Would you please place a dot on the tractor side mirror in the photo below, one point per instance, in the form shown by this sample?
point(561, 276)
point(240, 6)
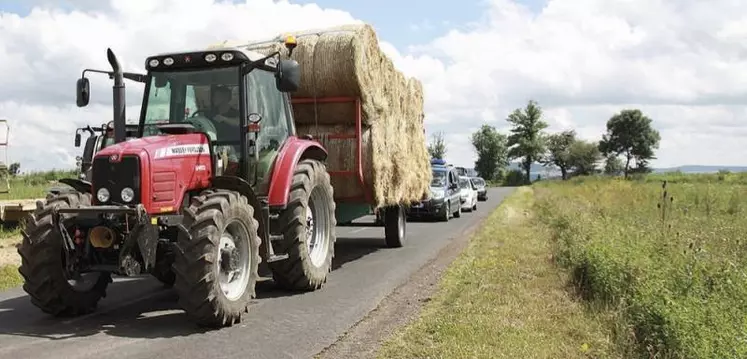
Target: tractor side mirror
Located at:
point(77, 140)
point(82, 92)
point(288, 76)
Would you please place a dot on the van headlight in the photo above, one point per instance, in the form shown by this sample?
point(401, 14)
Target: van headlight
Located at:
point(103, 195)
point(437, 194)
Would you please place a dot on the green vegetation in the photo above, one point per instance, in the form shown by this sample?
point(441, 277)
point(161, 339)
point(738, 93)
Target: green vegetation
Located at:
point(35, 184)
point(666, 261)
point(9, 277)
point(504, 298)
point(437, 147)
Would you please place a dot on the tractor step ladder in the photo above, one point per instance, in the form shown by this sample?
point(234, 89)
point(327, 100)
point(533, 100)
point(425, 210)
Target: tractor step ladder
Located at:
point(4, 165)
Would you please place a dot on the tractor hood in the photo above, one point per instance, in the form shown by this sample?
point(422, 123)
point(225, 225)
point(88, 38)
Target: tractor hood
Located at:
point(160, 147)
point(168, 165)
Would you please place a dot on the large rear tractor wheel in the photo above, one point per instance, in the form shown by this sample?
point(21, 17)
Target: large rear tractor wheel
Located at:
point(308, 227)
point(216, 269)
point(43, 265)
point(395, 223)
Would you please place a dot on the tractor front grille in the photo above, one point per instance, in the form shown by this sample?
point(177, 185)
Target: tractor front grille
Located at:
point(115, 176)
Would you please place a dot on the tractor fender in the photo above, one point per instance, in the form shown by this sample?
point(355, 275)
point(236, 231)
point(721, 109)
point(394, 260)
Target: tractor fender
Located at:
point(240, 185)
point(79, 185)
point(294, 150)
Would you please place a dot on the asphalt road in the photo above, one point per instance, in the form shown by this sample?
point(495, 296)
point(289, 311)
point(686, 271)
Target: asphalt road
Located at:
point(140, 319)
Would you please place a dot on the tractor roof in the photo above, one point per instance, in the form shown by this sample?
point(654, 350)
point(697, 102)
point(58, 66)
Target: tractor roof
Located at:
point(217, 50)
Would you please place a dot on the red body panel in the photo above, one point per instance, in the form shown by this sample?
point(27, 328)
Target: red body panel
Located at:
point(170, 165)
point(285, 163)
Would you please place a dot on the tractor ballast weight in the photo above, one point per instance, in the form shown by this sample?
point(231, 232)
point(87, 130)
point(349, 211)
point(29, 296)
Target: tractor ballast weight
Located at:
point(192, 203)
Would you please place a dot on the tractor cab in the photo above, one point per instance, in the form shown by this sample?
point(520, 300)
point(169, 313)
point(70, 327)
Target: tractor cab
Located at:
point(237, 98)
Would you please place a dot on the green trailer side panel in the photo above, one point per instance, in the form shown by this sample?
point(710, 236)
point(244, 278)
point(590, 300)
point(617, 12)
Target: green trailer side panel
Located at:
point(348, 212)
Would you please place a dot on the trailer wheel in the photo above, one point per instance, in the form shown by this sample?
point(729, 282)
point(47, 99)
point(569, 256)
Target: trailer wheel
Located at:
point(395, 226)
point(308, 227)
point(46, 280)
point(216, 269)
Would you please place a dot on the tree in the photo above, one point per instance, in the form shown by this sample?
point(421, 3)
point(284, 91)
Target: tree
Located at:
point(492, 154)
point(629, 133)
point(437, 147)
point(526, 140)
point(583, 157)
point(558, 146)
point(613, 166)
point(14, 168)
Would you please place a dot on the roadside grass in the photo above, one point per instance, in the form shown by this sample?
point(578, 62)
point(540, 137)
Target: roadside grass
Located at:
point(9, 277)
point(503, 297)
point(666, 261)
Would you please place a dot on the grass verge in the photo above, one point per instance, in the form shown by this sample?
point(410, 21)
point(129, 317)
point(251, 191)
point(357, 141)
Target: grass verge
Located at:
point(504, 298)
point(667, 261)
point(9, 277)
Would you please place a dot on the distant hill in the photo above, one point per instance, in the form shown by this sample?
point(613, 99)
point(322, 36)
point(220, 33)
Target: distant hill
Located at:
point(551, 172)
point(701, 169)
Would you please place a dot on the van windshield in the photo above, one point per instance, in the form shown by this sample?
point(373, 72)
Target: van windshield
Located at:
point(439, 179)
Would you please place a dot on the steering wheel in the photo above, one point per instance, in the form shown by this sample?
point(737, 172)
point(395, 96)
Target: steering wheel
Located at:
point(203, 124)
point(196, 112)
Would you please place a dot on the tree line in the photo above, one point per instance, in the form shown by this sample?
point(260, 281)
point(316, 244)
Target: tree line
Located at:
point(627, 147)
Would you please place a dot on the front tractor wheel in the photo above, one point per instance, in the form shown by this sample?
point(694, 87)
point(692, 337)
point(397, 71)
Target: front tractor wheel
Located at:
point(308, 227)
point(216, 269)
point(47, 281)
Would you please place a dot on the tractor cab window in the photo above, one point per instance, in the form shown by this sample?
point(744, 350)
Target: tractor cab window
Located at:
point(206, 98)
point(263, 98)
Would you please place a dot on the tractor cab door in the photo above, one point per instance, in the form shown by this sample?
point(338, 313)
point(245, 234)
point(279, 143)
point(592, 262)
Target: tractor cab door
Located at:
point(275, 126)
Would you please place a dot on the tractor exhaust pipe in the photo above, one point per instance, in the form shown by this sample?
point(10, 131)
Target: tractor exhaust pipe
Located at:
point(118, 91)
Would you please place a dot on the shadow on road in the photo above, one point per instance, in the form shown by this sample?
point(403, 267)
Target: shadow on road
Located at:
point(142, 308)
point(346, 250)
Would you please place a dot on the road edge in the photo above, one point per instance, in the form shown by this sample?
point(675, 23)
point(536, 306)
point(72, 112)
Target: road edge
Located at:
point(404, 303)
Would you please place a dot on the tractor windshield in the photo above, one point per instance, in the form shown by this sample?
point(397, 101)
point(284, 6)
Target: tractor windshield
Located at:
point(205, 98)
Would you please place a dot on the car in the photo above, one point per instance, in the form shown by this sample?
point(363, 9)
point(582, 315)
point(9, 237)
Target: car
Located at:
point(482, 190)
point(443, 200)
point(467, 194)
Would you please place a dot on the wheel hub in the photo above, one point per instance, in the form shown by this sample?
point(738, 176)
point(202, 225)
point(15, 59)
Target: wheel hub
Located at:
point(233, 261)
point(317, 217)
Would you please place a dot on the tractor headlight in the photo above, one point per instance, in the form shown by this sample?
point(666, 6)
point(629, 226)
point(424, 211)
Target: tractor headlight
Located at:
point(127, 194)
point(102, 195)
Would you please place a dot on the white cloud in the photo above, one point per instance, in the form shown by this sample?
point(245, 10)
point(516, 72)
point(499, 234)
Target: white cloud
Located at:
point(681, 61)
point(42, 55)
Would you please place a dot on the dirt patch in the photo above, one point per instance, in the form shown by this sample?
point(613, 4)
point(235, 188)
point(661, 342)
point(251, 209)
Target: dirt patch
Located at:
point(8, 251)
point(400, 307)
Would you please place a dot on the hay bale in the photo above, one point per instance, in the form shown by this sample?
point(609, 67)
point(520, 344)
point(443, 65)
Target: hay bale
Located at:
point(343, 61)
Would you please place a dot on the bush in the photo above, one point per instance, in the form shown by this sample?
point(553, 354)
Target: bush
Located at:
point(514, 178)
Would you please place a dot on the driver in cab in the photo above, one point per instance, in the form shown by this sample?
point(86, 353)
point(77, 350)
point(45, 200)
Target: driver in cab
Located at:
point(225, 117)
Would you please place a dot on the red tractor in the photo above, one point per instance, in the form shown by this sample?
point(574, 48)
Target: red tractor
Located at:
point(191, 197)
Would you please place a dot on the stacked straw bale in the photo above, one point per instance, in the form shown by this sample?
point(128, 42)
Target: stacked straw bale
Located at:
point(346, 61)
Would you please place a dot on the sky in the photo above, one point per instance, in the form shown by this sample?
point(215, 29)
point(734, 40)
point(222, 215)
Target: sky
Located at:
point(682, 62)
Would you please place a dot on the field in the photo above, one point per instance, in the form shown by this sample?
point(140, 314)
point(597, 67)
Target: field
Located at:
point(35, 184)
point(598, 268)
